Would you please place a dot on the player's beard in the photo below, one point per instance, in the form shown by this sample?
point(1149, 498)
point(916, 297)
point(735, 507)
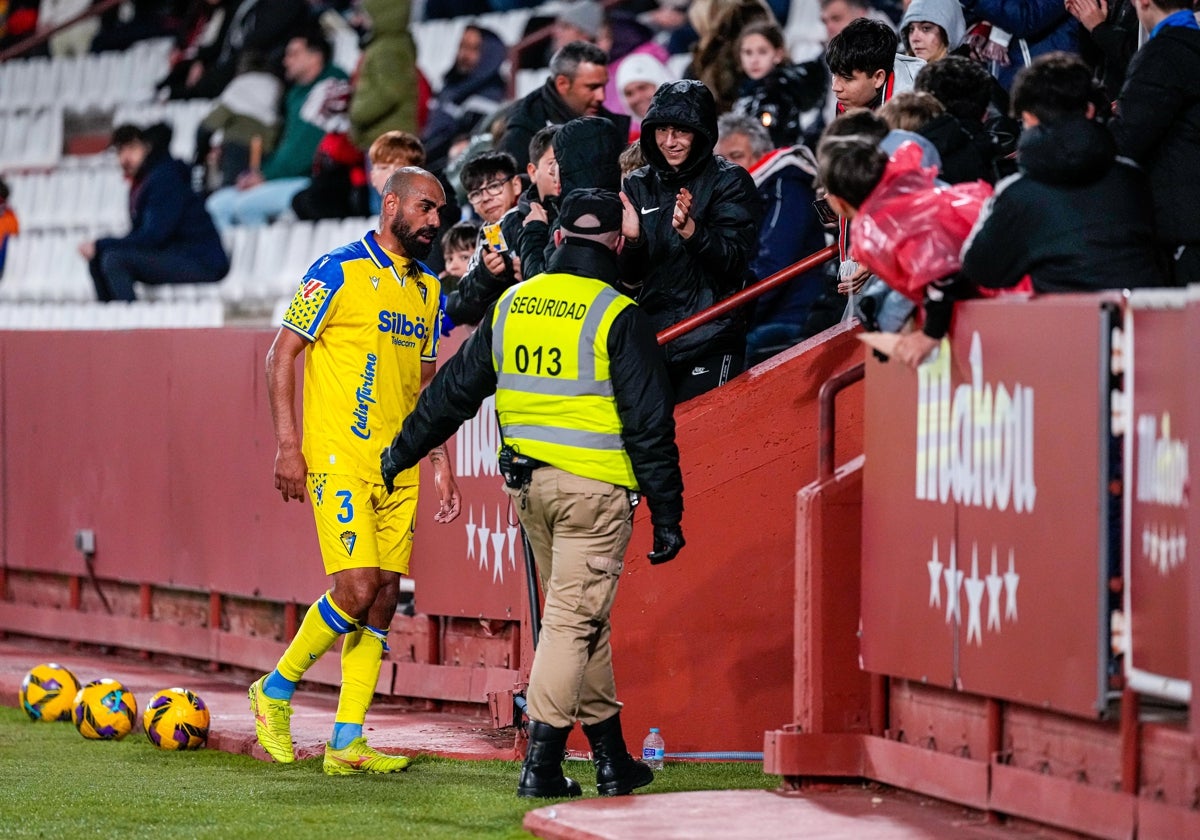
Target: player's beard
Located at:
point(407, 237)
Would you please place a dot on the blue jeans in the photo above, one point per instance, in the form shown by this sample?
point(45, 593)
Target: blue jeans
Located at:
point(230, 206)
point(115, 270)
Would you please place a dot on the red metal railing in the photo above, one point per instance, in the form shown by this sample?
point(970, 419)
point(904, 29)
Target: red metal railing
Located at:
point(747, 294)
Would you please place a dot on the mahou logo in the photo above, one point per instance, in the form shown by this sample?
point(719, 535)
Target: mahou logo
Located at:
point(1163, 481)
point(975, 445)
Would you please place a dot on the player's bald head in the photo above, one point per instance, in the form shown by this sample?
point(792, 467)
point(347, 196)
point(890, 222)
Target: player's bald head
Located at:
point(412, 179)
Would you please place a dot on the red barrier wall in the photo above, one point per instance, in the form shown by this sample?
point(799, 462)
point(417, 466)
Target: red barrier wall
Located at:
point(161, 442)
point(703, 645)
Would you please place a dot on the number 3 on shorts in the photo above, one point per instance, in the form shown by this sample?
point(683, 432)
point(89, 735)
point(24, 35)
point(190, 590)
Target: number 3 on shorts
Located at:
point(346, 510)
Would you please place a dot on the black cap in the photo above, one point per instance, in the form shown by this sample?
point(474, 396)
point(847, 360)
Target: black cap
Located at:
point(590, 211)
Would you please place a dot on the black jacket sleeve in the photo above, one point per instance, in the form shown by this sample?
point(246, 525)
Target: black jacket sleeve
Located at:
point(477, 289)
point(646, 406)
point(453, 396)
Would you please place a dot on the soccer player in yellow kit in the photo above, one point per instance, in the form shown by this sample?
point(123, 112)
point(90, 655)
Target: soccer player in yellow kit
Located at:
point(366, 316)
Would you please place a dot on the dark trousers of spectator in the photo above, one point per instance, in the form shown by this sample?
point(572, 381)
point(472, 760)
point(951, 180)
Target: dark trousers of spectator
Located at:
point(115, 270)
point(691, 379)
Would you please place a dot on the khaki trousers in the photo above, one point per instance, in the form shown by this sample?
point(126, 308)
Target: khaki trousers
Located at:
point(579, 529)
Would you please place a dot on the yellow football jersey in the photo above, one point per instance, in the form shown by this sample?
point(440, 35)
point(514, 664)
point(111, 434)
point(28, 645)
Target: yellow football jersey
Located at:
point(371, 318)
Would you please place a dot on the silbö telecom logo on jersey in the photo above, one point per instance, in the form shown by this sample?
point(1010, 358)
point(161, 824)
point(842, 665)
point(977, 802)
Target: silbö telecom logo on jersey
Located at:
point(403, 329)
point(365, 395)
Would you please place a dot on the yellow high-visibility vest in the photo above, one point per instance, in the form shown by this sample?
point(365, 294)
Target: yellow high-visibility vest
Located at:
point(554, 394)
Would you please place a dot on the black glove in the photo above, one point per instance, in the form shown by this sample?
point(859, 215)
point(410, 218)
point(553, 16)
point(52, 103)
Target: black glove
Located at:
point(668, 539)
point(390, 465)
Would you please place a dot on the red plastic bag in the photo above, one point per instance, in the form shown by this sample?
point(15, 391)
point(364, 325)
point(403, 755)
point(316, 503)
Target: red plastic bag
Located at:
point(910, 231)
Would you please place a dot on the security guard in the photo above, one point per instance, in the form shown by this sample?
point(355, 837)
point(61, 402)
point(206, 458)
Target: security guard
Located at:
point(586, 417)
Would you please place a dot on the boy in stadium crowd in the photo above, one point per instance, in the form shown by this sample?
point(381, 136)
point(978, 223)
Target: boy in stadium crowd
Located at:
point(458, 246)
point(867, 71)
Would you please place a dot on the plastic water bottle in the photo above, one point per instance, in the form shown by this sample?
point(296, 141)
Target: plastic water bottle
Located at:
point(653, 749)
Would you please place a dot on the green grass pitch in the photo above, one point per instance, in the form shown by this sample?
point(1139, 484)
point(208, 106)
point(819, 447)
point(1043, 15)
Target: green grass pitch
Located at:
point(54, 783)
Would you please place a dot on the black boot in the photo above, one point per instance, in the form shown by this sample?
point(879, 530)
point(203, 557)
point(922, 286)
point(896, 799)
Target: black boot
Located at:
point(541, 774)
point(617, 773)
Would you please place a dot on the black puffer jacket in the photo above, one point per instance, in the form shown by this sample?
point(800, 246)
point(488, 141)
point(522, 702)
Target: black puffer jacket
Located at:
point(1076, 219)
point(1158, 125)
point(673, 277)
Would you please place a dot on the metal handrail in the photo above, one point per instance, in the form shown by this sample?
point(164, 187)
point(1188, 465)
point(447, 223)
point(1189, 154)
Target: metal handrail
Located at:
point(747, 294)
point(42, 35)
point(827, 417)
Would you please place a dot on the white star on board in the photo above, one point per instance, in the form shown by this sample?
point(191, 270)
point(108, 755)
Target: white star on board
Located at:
point(470, 526)
point(974, 588)
point(482, 532)
point(498, 538)
point(935, 577)
point(994, 582)
point(1011, 580)
point(953, 577)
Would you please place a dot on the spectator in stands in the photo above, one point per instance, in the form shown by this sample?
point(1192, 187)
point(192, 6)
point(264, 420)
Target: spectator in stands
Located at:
point(789, 232)
point(246, 113)
point(931, 29)
point(493, 187)
point(631, 159)
point(8, 223)
point(1111, 40)
point(260, 195)
point(123, 26)
point(1026, 30)
point(923, 114)
point(582, 20)
point(390, 151)
point(691, 226)
point(578, 74)
point(1158, 125)
point(1077, 218)
point(266, 26)
point(586, 154)
point(471, 89)
point(968, 92)
point(537, 208)
point(836, 15)
point(867, 71)
point(385, 96)
point(199, 37)
point(785, 98)
point(73, 40)
point(866, 67)
point(715, 59)
point(172, 239)
point(638, 77)
point(458, 246)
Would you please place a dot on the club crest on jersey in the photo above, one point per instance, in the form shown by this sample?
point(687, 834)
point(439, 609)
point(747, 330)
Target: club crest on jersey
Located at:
point(348, 540)
point(311, 287)
point(423, 289)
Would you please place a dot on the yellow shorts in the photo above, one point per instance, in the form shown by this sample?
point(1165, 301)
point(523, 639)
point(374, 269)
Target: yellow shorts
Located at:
point(362, 525)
